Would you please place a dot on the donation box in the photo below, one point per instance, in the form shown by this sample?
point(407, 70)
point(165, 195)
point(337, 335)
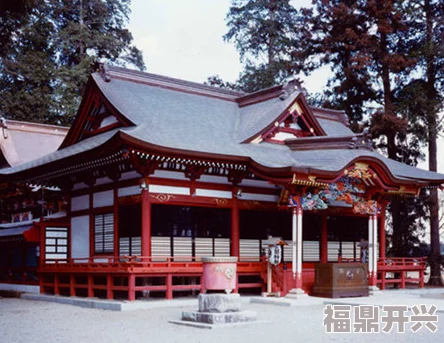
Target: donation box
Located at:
point(336, 280)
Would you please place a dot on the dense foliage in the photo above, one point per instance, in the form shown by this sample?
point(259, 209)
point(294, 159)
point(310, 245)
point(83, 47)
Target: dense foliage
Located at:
point(387, 59)
point(49, 48)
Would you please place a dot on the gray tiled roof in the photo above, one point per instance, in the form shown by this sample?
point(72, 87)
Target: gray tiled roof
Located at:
point(183, 120)
point(252, 119)
point(67, 152)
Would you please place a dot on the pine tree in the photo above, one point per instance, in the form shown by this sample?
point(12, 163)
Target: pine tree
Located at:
point(421, 99)
point(364, 43)
point(13, 15)
point(27, 71)
point(264, 34)
point(339, 36)
point(75, 34)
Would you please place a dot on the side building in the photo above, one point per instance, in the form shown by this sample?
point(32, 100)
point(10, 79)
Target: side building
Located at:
point(21, 204)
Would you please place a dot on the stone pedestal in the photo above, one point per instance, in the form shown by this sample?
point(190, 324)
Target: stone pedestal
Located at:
point(219, 309)
point(296, 293)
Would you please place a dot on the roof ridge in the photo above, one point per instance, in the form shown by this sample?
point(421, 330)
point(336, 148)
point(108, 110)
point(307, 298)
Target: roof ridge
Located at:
point(140, 76)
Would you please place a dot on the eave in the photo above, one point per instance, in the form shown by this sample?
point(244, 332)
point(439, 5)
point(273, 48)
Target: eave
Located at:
point(329, 143)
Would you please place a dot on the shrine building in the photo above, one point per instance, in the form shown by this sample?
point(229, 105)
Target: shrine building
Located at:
point(20, 204)
point(159, 172)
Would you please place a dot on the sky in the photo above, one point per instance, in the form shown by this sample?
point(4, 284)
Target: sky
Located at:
point(183, 39)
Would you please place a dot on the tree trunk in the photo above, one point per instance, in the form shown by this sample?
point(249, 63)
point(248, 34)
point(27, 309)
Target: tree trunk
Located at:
point(398, 236)
point(435, 253)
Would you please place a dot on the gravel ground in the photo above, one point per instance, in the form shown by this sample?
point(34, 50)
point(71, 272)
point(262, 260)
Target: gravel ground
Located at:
point(37, 321)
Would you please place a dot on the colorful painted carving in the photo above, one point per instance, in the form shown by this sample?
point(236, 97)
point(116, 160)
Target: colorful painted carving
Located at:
point(347, 189)
point(367, 207)
point(313, 202)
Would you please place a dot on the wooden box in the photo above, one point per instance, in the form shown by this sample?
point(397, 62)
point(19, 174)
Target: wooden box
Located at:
point(336, 280)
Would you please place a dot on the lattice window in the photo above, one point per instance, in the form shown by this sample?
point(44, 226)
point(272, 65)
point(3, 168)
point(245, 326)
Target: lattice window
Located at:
point(56, 243)
point(104, 233)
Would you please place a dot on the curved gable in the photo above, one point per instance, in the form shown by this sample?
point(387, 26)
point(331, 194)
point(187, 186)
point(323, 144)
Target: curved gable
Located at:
point(280, 119)
point(96, 115)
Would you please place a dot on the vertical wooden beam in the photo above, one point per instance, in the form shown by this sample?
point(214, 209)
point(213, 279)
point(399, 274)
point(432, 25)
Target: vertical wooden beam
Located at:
point(294, 223)
point(131, 287)
point(235, 234)
point(324, 239)
point(116, 221)
point(42, 245)
point(297, 212)
point(375, 251)
point(91, 223)
point(169, 286)
point(90, 286)
point(372, 242)
point(299, 248)
point(72, 285)
point(382, 238)
point(370, 248)
point(146, 223)
point(109, 287)
point(56, 285)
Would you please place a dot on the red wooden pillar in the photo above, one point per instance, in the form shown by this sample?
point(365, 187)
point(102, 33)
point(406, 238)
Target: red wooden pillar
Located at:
point(324, 239)
point(382, 239)
point(109, 287)
point(72, 286)
point(90, 286)
point(146, 223)
point(56, 285)
point(131, 287)
point(235, 245)
point(169, 286)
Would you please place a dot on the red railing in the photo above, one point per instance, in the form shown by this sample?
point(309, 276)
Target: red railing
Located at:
point(279, 279)
point(394, 270)
point(130, 274)
point(411, 263)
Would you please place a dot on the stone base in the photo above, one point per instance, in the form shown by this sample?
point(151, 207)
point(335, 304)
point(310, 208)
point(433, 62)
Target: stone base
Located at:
point(219, 318)
point(296, 293)
point(272, 294)
point(219, 303)
point(374, 290)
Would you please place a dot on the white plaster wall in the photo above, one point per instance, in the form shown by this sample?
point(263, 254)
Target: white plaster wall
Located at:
point(130, 175)
point(170, 174)
point(80, 203)
point(80, 185)
point(102, 199)
point(169, 189)
point(257, 183)
point(132, 190)
point(214, 179)
point(213, 193)
point(103, 181)
point(80, 236)
point(259, 197)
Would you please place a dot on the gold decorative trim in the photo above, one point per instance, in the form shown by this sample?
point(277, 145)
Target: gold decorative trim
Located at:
point(403, 190)
point(162, 197)
point(310, 182)
point(221, 201)
point(360, 171)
